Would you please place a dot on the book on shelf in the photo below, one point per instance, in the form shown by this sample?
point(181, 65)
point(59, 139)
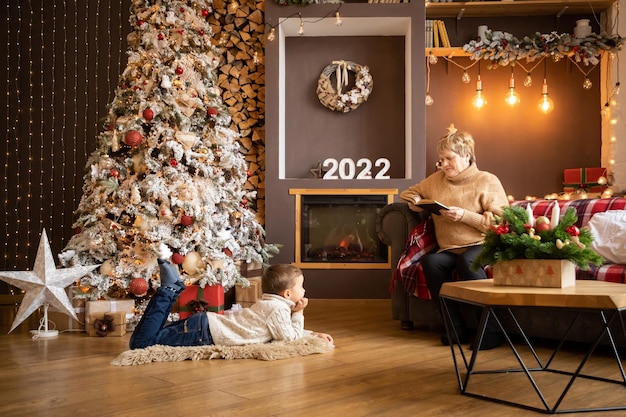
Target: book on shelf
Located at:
point(436, 35)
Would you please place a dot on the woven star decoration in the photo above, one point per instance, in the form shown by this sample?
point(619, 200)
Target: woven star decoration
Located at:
point(45, 284)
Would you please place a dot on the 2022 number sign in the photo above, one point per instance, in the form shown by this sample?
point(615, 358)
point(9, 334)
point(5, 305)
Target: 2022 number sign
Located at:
point(347, 169)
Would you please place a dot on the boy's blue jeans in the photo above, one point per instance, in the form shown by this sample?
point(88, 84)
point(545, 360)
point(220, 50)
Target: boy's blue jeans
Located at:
point(151, 329)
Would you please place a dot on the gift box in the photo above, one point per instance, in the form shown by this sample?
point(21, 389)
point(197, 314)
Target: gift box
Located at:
point(61, 321)
point(106, 306)
point(195, 298)
point(584, 179)
point(107, 324)
point(246, 296)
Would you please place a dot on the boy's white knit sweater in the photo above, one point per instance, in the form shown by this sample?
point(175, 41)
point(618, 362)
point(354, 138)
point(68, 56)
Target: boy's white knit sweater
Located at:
point(270, 318)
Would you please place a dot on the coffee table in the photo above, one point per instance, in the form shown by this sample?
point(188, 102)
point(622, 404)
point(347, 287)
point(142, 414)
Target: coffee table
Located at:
point(606, 300)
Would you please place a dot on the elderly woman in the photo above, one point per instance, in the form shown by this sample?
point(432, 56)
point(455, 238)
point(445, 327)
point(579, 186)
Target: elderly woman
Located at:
point(473, 197)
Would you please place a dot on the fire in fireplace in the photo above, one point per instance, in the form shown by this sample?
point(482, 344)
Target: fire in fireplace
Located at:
point(340, 229)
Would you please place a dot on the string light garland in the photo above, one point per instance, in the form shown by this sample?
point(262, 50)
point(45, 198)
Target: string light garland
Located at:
point(271, 33)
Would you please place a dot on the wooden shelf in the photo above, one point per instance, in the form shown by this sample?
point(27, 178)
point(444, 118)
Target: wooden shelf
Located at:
point(515, 8)
point(449, 52)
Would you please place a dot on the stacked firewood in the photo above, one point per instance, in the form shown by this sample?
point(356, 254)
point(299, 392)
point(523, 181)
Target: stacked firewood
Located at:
point(238, 28)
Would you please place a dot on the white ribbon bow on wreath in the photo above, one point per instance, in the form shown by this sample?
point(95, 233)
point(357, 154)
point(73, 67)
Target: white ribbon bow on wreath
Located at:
point(341, 74)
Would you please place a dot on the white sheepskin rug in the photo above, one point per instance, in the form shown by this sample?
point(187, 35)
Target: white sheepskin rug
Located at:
point(262, 351)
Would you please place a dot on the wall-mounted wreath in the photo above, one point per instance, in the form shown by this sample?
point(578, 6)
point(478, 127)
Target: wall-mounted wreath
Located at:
point(333, 98)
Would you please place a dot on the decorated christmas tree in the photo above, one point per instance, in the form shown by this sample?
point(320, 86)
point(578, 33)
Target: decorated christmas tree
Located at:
point(167, 168)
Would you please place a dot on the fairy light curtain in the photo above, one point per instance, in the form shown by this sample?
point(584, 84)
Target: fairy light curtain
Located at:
point(61, 61)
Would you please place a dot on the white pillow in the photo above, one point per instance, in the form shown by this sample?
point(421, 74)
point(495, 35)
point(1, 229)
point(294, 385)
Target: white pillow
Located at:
point(609, 235)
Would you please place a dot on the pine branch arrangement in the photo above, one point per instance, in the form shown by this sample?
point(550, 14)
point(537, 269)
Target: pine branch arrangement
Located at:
point(513, 238)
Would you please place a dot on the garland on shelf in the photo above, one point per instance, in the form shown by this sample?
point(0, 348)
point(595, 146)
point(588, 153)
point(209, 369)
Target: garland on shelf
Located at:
point(332, 98)
point(503, 48)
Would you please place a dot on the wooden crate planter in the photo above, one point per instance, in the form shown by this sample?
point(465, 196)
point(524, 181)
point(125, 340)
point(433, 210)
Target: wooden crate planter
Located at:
point(552, 273)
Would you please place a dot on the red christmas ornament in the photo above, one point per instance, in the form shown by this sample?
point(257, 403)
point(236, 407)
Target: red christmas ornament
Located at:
point(148, 114)
point(211, 111)
point(572, 230)
point(111, 126)
point(201, 32)
point(133, 138)
point(205, 13)
point(138, 287)
point(244, 202)
point(77, 230)
point(227, 251)
point(114, 172)
point(182, 10)
point(160, 36)
point(173, 162)
point(177, 258)
point(186, 220)
point(140, 22)
point(179, 70)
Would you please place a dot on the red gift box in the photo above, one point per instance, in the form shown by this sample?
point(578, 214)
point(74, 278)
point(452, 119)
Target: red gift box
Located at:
point(583, 179)
point(196, 298)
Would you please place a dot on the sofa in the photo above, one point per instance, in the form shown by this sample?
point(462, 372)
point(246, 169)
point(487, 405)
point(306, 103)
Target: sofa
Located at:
point(410, 235)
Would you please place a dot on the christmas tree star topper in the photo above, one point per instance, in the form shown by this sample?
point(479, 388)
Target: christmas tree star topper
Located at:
point(45, 284)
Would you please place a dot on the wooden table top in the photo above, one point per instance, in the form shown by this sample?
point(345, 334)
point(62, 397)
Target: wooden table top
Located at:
point(585, 294)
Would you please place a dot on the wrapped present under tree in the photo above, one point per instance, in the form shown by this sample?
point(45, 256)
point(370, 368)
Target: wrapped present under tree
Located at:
point(195, 299)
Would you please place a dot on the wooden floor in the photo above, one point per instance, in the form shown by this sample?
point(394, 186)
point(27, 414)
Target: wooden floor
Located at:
point(375, 370)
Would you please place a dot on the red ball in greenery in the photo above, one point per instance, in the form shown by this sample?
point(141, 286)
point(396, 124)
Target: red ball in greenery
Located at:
point(140, 22)
point(160, 36)
point(148, 114)
point(205, 13)
point(542, 227)
point(227, 251)
point(186, 220)
point(572, 230)
point(173, 162)
point(138, 287)
point(114, 172)
point(177, 258)
point(179, 70)
point(133, 138)
point(211, 111)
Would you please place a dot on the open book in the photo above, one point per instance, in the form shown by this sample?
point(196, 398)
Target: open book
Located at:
point(432, 206)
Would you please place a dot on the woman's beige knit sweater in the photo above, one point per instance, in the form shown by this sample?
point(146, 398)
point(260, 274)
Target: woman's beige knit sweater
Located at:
point(480, 193)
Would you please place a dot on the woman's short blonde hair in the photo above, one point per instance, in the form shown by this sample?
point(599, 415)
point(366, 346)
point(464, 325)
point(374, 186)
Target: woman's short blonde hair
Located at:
point(460, 143)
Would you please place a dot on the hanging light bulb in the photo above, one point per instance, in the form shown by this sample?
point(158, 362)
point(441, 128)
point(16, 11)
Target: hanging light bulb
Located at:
point(545, 105)
point(512, 97)
point(301, 29)
point(605, 110)
point(432, 58)
point(479, 100)
point(428, 100)
point(338, 21)
point(465, 77)
point(587, 84)
point(272, 34)
point(528, 81)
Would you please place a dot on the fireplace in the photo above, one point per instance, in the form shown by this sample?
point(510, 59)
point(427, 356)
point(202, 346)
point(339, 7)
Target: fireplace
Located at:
point(336, 228)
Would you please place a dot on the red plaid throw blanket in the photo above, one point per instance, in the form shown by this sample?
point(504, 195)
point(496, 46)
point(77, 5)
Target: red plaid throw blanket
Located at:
point(422, 241)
